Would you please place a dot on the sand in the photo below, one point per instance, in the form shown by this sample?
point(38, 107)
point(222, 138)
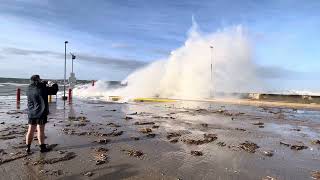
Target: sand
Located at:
point(175, 140)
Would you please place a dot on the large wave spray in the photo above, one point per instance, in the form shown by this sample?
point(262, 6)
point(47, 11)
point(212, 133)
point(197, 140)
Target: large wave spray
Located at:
point(186, 72)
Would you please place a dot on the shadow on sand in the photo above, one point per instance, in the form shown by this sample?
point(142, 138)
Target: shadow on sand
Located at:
point(95, 144)
point(117, 172)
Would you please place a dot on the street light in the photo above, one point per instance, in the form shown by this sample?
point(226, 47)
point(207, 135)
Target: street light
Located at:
point(65, 74)
point(212, 84)
point(72, 78)
point(73, 57)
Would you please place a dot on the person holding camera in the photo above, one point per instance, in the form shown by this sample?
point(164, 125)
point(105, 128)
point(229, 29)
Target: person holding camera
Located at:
point(38, 110)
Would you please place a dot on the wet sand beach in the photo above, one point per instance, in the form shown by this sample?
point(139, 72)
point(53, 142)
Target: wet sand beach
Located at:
point(175, 140)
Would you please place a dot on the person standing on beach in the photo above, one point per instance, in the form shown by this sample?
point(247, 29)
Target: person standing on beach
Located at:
point(38, 110)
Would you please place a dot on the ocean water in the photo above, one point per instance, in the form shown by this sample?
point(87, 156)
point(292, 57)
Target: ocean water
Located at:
point(84, 89)
point(9, 86)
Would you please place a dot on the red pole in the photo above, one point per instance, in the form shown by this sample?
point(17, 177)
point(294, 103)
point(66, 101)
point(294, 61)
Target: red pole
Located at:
point(18, 97)
point(70, 96)
point(92, 82)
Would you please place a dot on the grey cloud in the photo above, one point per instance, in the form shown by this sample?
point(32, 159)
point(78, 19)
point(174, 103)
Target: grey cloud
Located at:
point(161, 52)
point(122, 46)
point(115, 62)
point(120, 63)
point(16, 51)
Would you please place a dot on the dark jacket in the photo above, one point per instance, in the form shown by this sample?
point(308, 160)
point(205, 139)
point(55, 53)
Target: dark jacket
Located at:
point(37, 95)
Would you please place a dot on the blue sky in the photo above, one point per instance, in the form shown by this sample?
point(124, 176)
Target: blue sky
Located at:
point(112, 38)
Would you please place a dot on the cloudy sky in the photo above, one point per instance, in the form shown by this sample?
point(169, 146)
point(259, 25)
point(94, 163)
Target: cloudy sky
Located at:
point(112, 38)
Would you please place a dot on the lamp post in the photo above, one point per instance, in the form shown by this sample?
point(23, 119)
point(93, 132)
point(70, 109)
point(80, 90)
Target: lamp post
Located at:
point(65, 74)
point(212, 84)
point(72, 78)
point(73, 57)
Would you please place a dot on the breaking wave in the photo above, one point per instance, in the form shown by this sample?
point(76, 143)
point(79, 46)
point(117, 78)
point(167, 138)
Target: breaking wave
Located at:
point(186, 72)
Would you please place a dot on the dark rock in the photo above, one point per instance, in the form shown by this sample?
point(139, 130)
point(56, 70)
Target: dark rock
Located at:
point(2, 152)
point(249, 146)
point(268, 178)
point(128, 118)
point(135, 138)
point(267, 153)
point(151, 135)
point(174, 140)
point(101, 150)
point(258, 123)
point(134, 153)
point(68, 131)
point(155, 127)
point(56, 172)
point(204, 125)
point(42, 171)
point(72, 118)
point(261, 126)
point(222, 144)
point(163, 117)
point(201, 110)
point(117, 133)
point(14, 112)
point(210, 137)
point(146, 130)
point(135, 113)
point(285, 144)
point(51, 146)
point(294, 146)
point(103, 141)
point(144, 123)
point(298, 147)
point(111, 110)
point(100, 155)
point(207, 139)
point(173, 134)
point(196, 153)
point(315, 142)
point(61, 152)
point(240, 129)
point(89, 174)
point(99, 162)
point(5, 137)
point(113, 133)
point(82, 119)
point(113, 125)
